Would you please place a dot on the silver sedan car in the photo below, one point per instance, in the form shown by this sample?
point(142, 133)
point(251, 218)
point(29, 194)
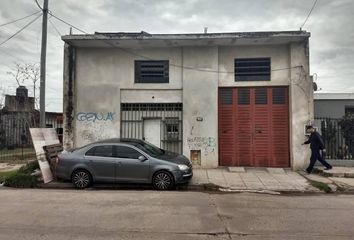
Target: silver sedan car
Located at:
point(123, 161)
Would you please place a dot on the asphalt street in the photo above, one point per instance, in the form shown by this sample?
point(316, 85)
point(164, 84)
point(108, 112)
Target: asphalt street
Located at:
point(91, 214)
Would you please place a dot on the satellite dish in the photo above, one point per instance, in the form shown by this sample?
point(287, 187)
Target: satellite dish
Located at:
point(315, 87)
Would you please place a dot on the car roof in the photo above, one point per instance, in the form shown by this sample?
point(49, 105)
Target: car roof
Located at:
point(120, 140)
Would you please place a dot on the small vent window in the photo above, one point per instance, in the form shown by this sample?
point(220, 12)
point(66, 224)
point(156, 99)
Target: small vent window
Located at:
point(252, 69)
point(261, 96)
point(226, 96)
point(243, 96)
point(279, 95)
point(151, 72)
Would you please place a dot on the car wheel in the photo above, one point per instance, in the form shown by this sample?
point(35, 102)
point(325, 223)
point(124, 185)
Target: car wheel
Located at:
point(81, 179)
point(163, 181)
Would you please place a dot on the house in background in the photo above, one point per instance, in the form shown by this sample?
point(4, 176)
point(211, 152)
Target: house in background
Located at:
point(18, 115)
point(21, 102)
point(333, 105)
point(222, 99)
point(330, 108)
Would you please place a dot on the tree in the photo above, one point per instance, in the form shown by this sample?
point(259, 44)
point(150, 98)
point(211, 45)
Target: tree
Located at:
point(25, 73)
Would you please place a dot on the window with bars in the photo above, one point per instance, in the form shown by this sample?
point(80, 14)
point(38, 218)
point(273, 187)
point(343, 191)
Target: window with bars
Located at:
point(152, 71)
point(252, 69)
point(172, 128)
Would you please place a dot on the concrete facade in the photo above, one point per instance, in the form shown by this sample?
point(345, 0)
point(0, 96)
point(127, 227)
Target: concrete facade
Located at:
point(99, 76)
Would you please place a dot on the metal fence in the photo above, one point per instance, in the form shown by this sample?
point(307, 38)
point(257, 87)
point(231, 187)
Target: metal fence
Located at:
point(339, 145)
point(15, 138)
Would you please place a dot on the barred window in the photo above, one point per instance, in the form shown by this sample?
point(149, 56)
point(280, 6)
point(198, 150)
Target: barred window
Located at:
point(252, 69)
point(152, 71)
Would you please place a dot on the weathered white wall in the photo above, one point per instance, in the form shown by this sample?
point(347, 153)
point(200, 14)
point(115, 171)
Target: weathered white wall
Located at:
point(101, 73)
point(200, 90)
point(279, 60)
point(151, 96)
point(301, 103)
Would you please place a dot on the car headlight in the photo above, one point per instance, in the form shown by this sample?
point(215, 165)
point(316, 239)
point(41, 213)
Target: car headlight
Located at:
point(183, 167)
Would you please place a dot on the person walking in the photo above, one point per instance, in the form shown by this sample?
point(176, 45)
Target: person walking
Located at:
point(316, 144)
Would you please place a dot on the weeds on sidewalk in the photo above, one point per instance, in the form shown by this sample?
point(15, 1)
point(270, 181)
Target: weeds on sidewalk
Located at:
point(321, 186)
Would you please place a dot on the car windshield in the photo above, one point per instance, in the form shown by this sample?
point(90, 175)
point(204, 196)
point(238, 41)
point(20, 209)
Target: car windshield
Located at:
point(150, 149)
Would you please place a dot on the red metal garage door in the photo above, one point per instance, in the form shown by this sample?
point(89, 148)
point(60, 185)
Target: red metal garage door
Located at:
point(254, 127)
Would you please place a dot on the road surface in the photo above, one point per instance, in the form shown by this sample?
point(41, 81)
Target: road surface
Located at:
point(70, 214)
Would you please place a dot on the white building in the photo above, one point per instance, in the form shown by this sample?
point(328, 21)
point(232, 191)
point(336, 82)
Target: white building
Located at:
point(222, 99)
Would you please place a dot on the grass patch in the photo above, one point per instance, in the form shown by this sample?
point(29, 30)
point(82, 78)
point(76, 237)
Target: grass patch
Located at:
point(321, 186)
point(4, 175)
point(29, 167)
point(20, 178)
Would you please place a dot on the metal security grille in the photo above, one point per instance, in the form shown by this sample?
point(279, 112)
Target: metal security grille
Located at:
point(252, 69)
point(338, 141)
point(151, 71)
point(168, 114)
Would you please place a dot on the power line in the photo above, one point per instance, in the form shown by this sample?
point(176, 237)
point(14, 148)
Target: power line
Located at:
point(149, 58)
point(63, 21)
point(24, 27)
point(19, 19)
point(38, 5)
point(313, 6)
point(55, 28)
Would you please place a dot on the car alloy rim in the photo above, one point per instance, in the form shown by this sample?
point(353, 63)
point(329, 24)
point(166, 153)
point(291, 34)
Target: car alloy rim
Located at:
point(162, 181)
point(81, 179)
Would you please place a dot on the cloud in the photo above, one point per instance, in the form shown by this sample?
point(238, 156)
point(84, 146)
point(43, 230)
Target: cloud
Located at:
point(330, 24)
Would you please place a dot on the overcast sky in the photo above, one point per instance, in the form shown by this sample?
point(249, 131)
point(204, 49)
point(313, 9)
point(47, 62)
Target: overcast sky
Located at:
point(331, 25)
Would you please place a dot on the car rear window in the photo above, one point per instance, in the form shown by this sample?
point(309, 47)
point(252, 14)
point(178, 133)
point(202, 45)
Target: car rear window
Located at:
point(100, 151)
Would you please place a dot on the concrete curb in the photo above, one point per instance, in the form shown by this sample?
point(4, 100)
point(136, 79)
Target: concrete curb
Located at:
point(333, 185)
point(332, 174)
point(207, 187)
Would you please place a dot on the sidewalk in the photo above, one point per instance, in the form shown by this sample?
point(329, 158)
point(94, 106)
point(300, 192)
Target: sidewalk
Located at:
point(339, 179)
point(253, 179)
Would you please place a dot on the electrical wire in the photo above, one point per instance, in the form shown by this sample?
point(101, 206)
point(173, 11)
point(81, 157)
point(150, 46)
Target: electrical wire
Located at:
point(24, 27)
point(55, 28)
point(39, 6)
point(4, 24)
point(149, 58)
point(308, 15)
point(63, 21)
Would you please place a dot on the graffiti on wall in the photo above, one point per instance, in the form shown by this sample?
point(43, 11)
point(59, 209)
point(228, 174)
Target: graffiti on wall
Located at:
point(207, 144)
point(93, 117)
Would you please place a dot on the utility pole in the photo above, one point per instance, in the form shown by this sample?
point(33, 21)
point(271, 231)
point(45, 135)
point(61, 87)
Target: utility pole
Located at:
point(43, 64)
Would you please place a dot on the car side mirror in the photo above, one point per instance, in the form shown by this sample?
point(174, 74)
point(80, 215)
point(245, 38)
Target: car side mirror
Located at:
point(142, 158)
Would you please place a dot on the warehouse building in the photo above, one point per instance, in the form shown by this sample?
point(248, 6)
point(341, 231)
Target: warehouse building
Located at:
point(221, 99)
